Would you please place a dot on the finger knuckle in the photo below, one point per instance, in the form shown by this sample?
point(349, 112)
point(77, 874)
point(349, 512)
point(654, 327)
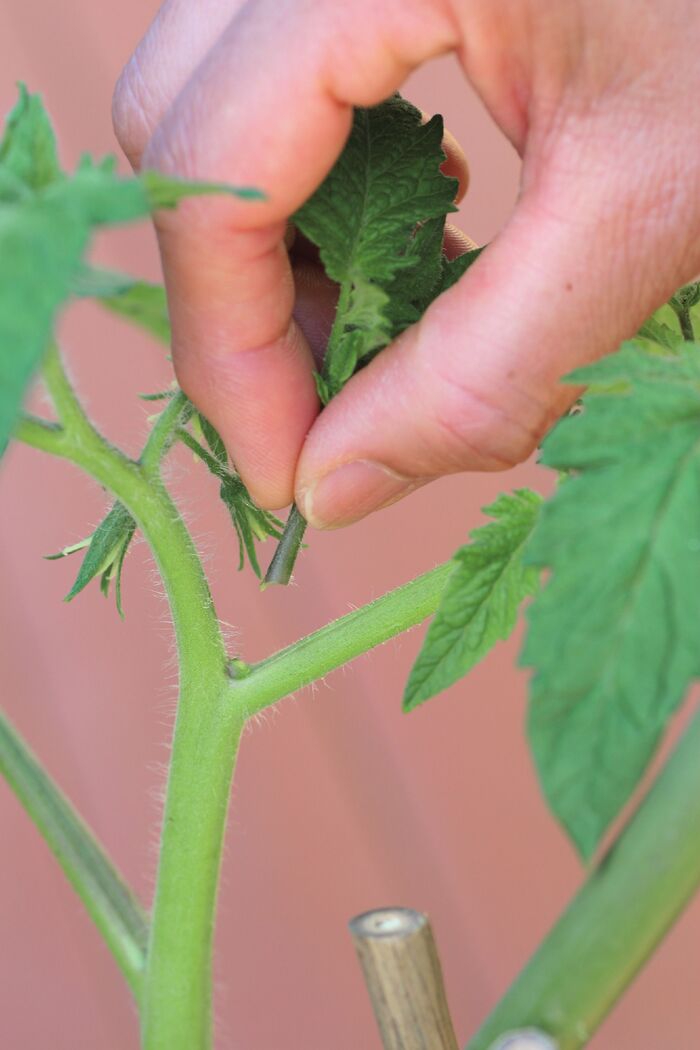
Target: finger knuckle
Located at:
point(480, 430)
point(130, 112)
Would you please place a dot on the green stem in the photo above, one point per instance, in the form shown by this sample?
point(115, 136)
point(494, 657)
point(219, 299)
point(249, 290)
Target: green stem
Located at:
point(68, 408)
point(109, 901)
point(614, 923)
point(211, 713)
point(175, 1004)
point(163, 434)
point(340, 641)
point(681, 308)
point(287, 550)
point(686, 323)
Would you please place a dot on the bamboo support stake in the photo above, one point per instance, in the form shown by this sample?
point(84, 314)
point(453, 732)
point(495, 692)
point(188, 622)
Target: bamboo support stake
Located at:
point(402, 971)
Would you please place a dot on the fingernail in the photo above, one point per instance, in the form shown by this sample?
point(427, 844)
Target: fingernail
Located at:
point(352, 490)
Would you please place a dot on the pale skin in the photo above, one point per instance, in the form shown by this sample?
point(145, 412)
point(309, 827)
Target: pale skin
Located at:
point(599, 99)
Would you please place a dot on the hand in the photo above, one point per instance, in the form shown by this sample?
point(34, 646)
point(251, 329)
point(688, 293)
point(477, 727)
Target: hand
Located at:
point(599, 100)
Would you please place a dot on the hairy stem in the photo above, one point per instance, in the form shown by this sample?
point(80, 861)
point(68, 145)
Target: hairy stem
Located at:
point(287, 550)
point(109, 901)
point(614, 923)
point(211, 713)
point(176, 997)
point(340, 641)
point(163, 434)
point(68, 408)
point(686, 323)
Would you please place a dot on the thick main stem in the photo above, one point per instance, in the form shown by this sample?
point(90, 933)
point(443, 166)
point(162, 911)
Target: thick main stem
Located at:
point(176, 992)
point(176, 996)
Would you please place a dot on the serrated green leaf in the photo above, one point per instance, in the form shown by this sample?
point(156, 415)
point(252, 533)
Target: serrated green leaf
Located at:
point(658, 332)
point(614, 634)
point(481, 600)
point(105, 554)
point(366, 327)
point(385, 182)
point(453, 269)
point(140, 302)
point(28, 148)
point(365, 219)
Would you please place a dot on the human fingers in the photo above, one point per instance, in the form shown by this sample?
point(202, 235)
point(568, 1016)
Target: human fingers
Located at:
point(584, 259)
point(237, 351)
point(177, 40)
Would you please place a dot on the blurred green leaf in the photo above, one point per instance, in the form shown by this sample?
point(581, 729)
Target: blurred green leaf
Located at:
point(28, 148)
point(41, 244)
point(46, 222)
point(139, 302)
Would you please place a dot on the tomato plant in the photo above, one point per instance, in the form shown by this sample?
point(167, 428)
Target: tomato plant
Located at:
point(609, 566)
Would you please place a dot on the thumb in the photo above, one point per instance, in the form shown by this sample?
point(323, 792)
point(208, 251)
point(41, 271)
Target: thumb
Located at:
point(476, 383)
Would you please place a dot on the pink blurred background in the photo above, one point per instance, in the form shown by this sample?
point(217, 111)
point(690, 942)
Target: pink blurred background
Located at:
point(340, 803)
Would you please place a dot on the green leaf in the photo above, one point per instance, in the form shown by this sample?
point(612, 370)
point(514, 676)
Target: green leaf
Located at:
point(366, 220)
point(481, 600)
point(453, 269)
point(166, 191)
point(12, 189)
point(44, 233)
point(140, 302)
point(251, 522)
point(28, 148)
point(105, 554)
point(213, 439)
point(614, 634)
point(41, 245)
point(105, 198)
point(658, 332)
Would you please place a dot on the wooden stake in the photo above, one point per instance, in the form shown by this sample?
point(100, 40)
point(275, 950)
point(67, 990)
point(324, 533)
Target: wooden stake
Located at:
point(402, 971)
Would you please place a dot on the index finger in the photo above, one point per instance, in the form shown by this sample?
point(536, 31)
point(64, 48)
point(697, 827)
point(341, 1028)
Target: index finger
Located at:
point(237, 351)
